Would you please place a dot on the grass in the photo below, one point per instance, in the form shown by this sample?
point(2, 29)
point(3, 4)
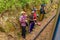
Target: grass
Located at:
point(1, 29)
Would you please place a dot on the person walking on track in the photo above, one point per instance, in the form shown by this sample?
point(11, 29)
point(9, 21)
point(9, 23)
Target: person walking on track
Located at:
point(31, 23)
point(22, 20)
point(42, 12)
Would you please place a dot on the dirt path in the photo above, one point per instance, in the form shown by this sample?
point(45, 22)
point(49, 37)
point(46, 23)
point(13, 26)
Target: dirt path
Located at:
point(3, 36)
point(46, 34)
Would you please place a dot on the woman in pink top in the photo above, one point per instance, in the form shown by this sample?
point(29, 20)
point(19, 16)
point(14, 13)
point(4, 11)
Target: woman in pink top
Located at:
point(22, 20)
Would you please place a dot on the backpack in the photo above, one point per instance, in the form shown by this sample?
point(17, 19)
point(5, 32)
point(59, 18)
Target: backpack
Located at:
point(34, 15)
point(42, 11)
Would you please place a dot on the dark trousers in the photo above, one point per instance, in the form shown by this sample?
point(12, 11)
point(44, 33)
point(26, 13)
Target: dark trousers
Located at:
point(31, 25)
point(23, 31)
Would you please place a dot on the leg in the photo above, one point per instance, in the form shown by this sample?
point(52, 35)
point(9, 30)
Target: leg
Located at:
point(31, 27)
point(23, 32)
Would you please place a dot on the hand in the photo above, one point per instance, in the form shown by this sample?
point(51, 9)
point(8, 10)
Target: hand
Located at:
point(26, 20)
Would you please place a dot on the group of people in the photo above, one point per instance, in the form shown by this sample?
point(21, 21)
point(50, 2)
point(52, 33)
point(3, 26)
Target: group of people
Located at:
point(32, 20)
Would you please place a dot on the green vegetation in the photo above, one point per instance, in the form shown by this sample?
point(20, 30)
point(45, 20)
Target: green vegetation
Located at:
point(6, 4)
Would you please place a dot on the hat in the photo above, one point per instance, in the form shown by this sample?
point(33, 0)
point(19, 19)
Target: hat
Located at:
point(23, 12)
point(32, 11)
